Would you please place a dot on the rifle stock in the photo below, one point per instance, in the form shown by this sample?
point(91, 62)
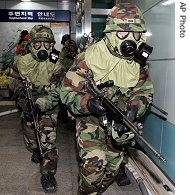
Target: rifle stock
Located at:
point(34, 116)
point(117, 115)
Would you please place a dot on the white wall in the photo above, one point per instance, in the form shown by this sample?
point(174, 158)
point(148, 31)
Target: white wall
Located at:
point(160, 21)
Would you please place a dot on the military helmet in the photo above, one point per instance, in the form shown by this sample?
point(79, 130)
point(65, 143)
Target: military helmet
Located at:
point(125, 17)
point(65, 38)
point(41, 33)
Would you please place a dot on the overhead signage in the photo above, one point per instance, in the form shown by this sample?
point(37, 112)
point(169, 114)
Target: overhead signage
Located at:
point(34, 16)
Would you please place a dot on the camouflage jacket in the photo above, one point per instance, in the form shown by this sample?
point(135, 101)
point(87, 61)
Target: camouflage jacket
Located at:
point(64, 60)
point(42, 75)
point(72, 91)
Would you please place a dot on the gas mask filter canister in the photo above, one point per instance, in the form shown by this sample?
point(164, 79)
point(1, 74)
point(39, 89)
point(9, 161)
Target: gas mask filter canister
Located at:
point(130, 49)
point(140, 54)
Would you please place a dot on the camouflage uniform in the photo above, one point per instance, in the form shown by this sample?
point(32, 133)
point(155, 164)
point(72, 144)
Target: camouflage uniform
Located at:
point(39, 70)
point(66, 58)
point(99, 160)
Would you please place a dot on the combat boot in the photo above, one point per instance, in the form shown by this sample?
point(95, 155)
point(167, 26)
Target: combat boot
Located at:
point(36, 157)
point(48, 182)
point(121, 178)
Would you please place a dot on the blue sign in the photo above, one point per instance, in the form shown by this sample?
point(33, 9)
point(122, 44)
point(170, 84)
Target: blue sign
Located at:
point(35, 15)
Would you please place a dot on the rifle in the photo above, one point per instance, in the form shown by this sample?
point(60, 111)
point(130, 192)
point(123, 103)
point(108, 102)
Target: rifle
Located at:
point(33, 114)
point(86, 40)
point(116, 113)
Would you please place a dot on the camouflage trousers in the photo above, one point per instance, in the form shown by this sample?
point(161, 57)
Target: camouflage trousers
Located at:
point(99, 162)
point(47, 139)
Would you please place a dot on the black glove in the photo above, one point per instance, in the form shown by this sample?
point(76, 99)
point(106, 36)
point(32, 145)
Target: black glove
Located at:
point(36, 112)
point(94, 105)
point(131, 115)
point(131, 112)
point(28, 117)
point(20, 93)
point(120, 129)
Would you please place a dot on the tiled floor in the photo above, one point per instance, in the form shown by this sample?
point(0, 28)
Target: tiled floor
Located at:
point(19, 176)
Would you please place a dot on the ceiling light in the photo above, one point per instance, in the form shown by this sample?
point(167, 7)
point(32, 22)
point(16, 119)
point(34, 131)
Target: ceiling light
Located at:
point(168, 2)
point(25, 0)
point(148, 34)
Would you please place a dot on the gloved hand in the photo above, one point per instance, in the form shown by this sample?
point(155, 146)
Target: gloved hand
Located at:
point(120, 129)
point(28, 117)
point(37, 110)
point(131, 112)
point(94, 105)
point(131, 115)
point(20, 93)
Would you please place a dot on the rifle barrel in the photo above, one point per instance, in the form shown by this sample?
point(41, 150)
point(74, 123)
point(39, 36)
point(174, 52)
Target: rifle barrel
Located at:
point(35, 119)
point(119, 114)
point(134, 129)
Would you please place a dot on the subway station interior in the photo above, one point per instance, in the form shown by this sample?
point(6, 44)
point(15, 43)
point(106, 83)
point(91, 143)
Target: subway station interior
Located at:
point(148, 174)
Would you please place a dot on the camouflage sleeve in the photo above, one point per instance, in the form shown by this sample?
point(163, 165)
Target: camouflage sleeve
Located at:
point(72, 92)
point(142, 94)
point(58, 76)
point(49, 101)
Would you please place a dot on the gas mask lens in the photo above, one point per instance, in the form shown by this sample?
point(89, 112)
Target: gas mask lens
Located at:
point(37, 45)
point(47, 45)
point(42, 48)
point(124, 35)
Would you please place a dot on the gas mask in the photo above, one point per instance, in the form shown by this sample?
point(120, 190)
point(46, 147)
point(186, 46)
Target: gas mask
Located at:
point(70, 49)
point(69, 53)
point(41, 50)
point(129, 45)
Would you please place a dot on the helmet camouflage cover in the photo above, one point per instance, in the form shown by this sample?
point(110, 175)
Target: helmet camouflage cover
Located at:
point(41, 33)
point(125, 17)
point(65, 38)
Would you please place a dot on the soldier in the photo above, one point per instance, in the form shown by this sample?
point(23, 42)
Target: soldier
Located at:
point(68, 52)
point(66, 58)
point(119, 56)
point(38, 67)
